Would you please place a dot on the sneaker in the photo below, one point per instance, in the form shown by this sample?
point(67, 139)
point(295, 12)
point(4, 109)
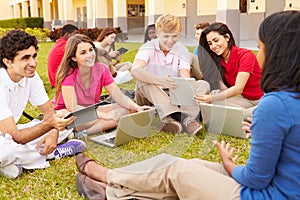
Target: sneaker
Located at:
point(170, 125)
point(78, 134)
point(192, 126)
point(11, 171)
point(70, 148)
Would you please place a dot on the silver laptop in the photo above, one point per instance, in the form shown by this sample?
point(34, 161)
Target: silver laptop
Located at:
point(84, 115)
point(183, 94)
point(131, 126)
point(222, 119)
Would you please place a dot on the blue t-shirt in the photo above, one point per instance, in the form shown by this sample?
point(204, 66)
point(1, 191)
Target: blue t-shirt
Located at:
point(273, 167)
point(196, 50)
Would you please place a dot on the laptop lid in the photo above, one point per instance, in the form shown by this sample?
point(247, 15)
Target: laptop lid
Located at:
point(84, 115)
point(131, 126)
point(183, 94)
point(222, 119)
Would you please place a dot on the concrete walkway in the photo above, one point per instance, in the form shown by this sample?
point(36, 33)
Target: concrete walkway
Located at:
point(248, 44)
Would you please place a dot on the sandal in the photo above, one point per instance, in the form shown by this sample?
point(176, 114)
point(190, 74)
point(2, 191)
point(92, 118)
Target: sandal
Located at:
point(81, 161)
point(89, 188)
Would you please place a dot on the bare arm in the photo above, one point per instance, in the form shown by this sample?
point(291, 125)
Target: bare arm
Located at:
point(120, 98)
point(25, 135)
point(226, 154)
point(185, 73)
point(235, 90)
point(70, 99)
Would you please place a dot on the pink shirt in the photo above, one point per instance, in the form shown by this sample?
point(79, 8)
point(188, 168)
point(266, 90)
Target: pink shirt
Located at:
point(100, 76)
point(164, 65)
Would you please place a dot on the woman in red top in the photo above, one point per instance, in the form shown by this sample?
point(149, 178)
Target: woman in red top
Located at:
point(235, 70)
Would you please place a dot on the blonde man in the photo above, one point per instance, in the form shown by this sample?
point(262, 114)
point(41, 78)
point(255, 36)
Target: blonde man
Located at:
point(154, 64)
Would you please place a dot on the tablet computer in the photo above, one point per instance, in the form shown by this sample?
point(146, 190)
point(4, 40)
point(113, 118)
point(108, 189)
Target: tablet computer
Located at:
point(84, 115)
point(122, 50)
point(183, 94)
point(222, 119)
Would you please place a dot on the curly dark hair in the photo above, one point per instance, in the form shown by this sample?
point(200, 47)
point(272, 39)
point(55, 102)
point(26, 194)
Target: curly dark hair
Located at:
point(280, 33)
point(14, 41)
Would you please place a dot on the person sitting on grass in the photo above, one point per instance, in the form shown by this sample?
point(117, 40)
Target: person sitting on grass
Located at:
point(238, 68)
point(272, 168)
point(30, 145)
point(56, 53)
point(150, 33)
point(198, 30)
point(79, 83)
point(107, 55)
point(154, 64)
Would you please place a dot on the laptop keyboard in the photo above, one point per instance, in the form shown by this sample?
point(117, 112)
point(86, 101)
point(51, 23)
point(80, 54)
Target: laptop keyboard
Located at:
point(110, 140)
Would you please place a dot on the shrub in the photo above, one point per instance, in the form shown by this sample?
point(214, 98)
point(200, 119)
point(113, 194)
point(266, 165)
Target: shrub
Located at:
point(91, 32)
point(41, 34)
point(22, 23)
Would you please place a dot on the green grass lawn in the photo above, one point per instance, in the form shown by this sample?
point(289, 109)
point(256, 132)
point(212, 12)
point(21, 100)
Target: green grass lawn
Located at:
point(58, 181)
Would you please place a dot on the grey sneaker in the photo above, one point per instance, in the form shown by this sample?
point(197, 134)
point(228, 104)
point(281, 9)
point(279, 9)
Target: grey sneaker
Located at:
point(70, 148)
point(170, 125)
point(192, 126)
point(11, 171)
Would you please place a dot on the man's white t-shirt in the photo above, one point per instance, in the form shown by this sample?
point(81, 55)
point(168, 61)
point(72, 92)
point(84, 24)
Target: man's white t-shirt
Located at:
point(15, 96)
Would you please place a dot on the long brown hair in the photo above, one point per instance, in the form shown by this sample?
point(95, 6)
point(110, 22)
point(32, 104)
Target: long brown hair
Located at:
point(67, 65)
point(105, 32)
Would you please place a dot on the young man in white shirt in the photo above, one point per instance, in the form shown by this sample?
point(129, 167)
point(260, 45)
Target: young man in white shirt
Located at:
point(29, 146)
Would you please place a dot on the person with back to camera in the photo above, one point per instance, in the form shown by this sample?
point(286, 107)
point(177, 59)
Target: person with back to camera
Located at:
point(57, 51)
point(238, 67)
point(154, 64)
point(272, 169)
point(106, 53)
point(28, 145)
point(79, 83)
point(150, 33)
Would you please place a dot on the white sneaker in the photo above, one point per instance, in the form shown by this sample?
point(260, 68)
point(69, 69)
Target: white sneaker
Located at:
point(11, 171)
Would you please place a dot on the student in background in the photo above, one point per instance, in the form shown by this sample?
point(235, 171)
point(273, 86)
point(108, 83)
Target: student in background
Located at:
point(57, 51)
point(107, 55)
point(272, 169)
point(79, 83)
point(150, 33)
point(238, 67)
point(198, 30)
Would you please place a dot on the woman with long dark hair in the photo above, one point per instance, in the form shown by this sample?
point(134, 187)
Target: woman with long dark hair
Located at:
point(238, 68)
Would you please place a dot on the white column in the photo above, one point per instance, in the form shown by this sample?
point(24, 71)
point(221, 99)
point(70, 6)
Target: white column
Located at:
point(46, 13)
point(90, 13)
point(120, 14)
point(68, 11)
point(34, 8)
point(228, 13)
point(155, 9)
point(17, 10)
point(25, 9)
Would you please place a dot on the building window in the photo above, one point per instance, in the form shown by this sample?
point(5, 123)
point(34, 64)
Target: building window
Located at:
point(243, 6)
point(135, 10)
